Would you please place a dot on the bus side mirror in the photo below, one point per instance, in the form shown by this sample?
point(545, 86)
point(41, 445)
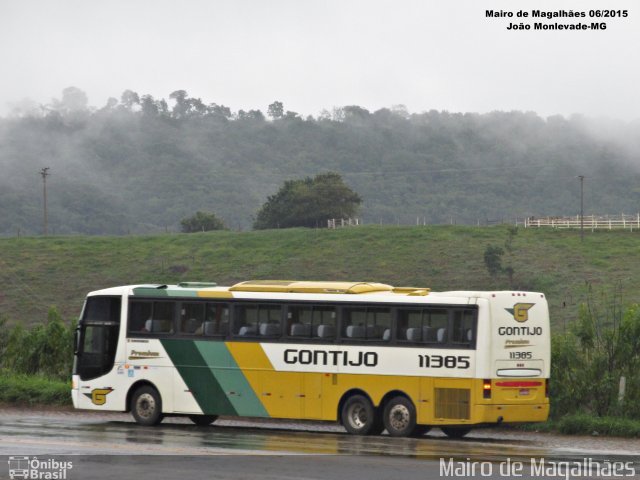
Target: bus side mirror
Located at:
point(76, 341)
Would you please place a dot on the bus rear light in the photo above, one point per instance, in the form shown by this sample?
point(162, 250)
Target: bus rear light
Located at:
point(520, 384)
point(486, 388)
point(546, 387)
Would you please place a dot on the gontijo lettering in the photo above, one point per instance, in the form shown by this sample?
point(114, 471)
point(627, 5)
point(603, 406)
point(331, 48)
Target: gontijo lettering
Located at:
point(330, 357)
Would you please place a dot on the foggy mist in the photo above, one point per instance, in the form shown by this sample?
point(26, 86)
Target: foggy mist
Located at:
point(315, 55)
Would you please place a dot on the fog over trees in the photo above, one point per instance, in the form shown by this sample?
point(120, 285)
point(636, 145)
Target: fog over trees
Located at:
point(140, 164)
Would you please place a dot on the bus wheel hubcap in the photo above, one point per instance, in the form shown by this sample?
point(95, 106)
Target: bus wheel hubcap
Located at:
point(146, 405)
point(358, 415)
point(399, 417)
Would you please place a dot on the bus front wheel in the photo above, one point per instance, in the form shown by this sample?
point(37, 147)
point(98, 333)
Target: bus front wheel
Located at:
point(455, 432)
point(399, 417)
point(359, 416)
point(146, 406)
point(203, 420)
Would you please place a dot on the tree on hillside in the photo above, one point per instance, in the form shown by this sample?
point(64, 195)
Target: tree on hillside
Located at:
point(181, 106)
point(202, 222)
point(74, 100)
point(276, 110)
point(308, 203)
point(493, 260)
point(129, 98)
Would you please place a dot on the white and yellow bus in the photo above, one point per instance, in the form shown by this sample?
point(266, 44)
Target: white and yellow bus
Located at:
point(368, 355)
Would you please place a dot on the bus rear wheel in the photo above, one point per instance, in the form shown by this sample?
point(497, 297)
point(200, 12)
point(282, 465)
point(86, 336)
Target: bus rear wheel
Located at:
point(359, 416)
point(455, 432)
point(399, 417)
point(203, 420)
point(146, 406)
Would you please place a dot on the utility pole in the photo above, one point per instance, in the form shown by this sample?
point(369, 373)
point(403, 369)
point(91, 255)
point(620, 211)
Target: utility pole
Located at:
point(45, 173)
point(581, 177)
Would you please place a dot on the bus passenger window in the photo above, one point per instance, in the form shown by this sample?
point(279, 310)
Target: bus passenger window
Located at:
point(191, 318)
point(246, 320)
point(299, 321)
point(217, 319)
point(463, 327)
point(311, 321)
point(252, 320)
point(162, 321)
point(323, 323)
point(140, 316)
point(151, 317)
point(269, 321)
point(409, 327)
point(367, 324)
point(427, 325)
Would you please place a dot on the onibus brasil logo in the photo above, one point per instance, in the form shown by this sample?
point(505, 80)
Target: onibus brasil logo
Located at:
point(32, 468)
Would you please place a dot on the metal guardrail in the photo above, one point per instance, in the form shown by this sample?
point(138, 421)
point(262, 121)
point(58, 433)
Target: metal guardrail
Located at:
point(343, 222)
point(608, 222)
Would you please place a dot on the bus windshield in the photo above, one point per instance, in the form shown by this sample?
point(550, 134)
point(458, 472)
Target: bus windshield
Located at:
point(97, 337)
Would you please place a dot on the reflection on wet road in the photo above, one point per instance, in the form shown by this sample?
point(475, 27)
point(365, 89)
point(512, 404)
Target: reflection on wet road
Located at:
point(85, 433)
point(326, 445)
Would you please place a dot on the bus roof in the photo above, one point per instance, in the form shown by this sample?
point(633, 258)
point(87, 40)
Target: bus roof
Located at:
point(304, 290)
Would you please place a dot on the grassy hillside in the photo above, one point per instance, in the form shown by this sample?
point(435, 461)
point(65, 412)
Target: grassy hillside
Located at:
point(36, 273)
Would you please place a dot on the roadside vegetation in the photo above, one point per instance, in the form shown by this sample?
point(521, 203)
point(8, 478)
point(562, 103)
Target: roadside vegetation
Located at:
point(590, 286)
point(36, 361)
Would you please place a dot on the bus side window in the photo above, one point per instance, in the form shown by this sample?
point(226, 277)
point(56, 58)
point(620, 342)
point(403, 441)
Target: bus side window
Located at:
point(324, 322)
point(463, 327)
point(254, 320)
point(191, 318)
point(379, 324)
point(269, 320)
point(139, 314)
point(409, 327)
point(217, 320)
point(162, 321)
point(367, 323)
point(299, 321)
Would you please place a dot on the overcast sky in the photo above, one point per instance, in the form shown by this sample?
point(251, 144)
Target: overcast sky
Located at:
point(318, 54)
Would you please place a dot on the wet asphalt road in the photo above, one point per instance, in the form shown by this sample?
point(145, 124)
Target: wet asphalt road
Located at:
point(112, 446)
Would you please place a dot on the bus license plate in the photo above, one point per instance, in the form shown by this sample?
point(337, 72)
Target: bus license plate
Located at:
point(524, 391)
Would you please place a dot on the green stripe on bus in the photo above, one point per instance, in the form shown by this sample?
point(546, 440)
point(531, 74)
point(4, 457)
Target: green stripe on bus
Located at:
point(200, 379)
point(163, 292)
point(231, 379)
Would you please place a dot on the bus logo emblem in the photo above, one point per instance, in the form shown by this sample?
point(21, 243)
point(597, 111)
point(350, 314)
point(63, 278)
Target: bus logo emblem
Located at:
point(520, 311)
point(98, 396)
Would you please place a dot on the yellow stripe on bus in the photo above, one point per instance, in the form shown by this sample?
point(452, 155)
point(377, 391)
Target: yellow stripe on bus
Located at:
point(216, 294)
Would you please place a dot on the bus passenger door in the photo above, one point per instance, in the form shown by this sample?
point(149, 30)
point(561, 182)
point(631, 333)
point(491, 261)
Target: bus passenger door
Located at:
point(312, 401)
point(425, 406)
point(282, 393)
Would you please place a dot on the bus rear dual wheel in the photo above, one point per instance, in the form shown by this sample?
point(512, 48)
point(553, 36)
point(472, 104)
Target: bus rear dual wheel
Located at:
point(359, 417)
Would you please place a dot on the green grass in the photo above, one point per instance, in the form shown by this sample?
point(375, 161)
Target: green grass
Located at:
point(38, 272)
point(583, 424)
point(27, 390)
